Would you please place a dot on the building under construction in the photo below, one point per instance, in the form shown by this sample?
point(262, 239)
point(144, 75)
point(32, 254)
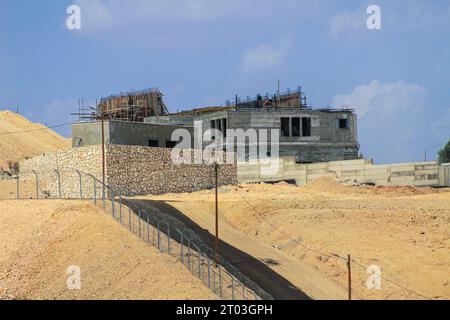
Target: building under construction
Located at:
point(132, 106)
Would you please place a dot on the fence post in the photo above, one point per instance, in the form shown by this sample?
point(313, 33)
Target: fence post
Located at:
point(209, 272)
point(104, 197)
point(37, 184)
point(120, 207)
point(168, 238)
point(81, 184)
point(129, 218)
point(139, 223)
point(220, 281)
point(95, 191)
point(113, 204)
point(189, 254)
point(159, 238)
point(59, 183)
point(181, 251)
point(17, 187)
point(148, 228)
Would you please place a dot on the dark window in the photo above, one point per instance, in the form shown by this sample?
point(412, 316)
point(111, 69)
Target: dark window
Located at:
point(224, 126)
point(213, 124)
point(171, 144)
point(153, 143)
point(343, 123)
point(296, 127)
point(306, 127)
point(285, 127)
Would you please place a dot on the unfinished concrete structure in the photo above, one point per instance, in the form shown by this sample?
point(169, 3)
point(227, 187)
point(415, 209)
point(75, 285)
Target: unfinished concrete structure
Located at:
point(125, 133)
point(310, 135)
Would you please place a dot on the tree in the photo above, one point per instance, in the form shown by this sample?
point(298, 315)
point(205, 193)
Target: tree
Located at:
point(444, 154)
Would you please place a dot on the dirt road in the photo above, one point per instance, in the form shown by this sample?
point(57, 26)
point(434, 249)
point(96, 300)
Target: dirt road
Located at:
point(401, 230)
point(275, 272)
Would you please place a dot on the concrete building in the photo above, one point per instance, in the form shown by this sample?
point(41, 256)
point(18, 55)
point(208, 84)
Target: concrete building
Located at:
point(309, 135)
point(125, 133)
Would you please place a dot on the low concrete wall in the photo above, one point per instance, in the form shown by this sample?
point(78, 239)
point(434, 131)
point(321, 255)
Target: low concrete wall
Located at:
point(130, 169)
point(349, 172)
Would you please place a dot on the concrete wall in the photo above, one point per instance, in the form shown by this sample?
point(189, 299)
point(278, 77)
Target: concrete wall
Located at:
point(123, 133)
point(348, 172)
point(326, 143)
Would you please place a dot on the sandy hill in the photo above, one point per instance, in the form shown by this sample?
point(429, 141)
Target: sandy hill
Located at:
point(41, 239)
point(21, 138)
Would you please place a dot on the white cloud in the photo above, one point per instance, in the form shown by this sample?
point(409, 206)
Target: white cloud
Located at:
point(389, 98)
point(347, 20)
point(265, 57)
point(394, 120)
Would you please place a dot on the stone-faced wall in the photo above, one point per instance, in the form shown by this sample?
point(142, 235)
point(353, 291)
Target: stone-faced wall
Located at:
point(144, 170)
point(129, 169)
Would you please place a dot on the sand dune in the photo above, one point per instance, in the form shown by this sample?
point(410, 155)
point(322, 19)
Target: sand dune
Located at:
point(21, 138)
point(41, 239)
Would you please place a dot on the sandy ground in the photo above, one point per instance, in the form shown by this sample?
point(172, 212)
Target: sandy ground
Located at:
point(41, 239)
point(403, 230)
point(31, 141)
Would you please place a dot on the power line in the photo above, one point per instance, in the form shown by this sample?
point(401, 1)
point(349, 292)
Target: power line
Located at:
point(331, 255)
point(35, 130)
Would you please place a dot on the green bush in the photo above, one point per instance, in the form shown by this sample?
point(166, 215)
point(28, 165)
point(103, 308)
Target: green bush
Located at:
point(444, 154)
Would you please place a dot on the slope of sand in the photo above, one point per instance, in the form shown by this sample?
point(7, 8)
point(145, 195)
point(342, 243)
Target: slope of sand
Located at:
point(21, 138)
point(41, 239)
point(403, 230)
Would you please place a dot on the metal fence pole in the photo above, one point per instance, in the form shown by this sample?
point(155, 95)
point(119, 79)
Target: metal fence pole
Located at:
point(120, 207)
point(199, 264)
point(139, 223)
point(17, 187)
point(209, 272)
point(159, 238)
point(129, 218)
point(168, 238)
point(181, 250)
point(59, 183)
point(189, 254)
point(95, 191)
point(37, 184)
point(103, 196)
point(148, 228)
point(220, 282)
point(113, 204)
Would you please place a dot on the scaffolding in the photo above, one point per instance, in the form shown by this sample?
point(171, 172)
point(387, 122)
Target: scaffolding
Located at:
point(132, 106)
point(287, 99)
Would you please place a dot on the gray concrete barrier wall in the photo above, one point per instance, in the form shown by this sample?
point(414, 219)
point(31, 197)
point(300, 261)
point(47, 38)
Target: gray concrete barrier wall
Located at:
point(347, 172)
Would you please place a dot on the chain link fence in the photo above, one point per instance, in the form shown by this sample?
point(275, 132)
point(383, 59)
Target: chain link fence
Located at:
point(166, 233)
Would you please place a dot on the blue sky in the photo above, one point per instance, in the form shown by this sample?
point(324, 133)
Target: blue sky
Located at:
point(202, 52)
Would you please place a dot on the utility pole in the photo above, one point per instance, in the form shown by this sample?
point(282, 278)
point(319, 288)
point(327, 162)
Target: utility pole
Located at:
point(216, 170)
point(103, 151)
point(349, 267)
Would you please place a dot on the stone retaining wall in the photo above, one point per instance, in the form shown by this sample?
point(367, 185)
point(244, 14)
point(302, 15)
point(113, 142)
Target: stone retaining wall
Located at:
point(129, 169)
